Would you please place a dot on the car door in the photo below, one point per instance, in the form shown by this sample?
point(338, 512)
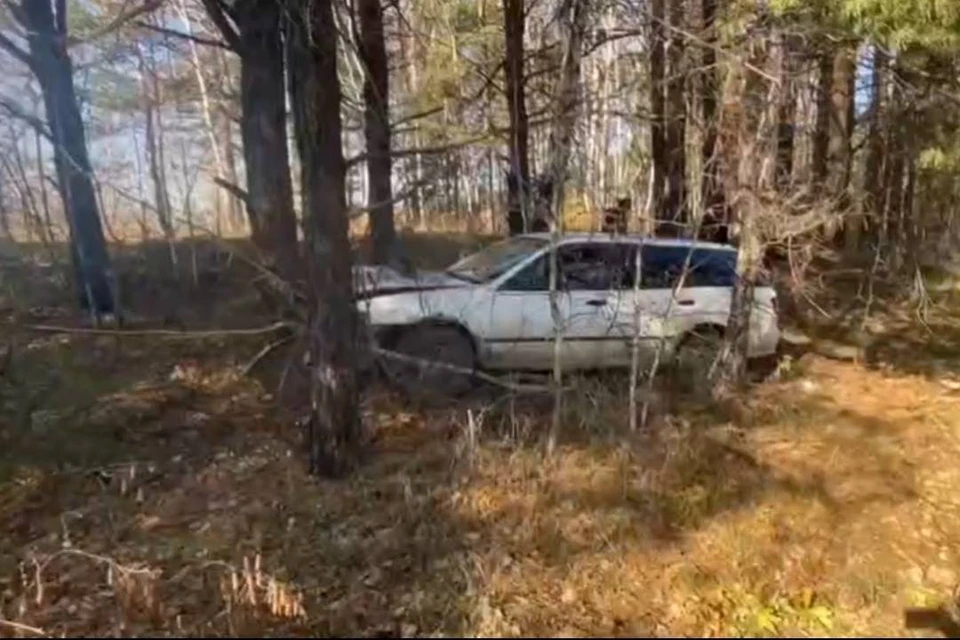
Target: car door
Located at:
point(651, 306)
point(521, 327)
point(668, 311)
point(595, 278)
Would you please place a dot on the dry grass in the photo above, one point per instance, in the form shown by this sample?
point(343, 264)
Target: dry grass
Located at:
point(147, 488)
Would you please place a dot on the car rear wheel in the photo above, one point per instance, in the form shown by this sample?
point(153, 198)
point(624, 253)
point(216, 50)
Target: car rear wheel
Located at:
point(439, 361)
point(697, 357)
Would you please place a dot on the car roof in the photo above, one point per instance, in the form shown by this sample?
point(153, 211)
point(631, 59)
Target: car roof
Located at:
point(632, 237)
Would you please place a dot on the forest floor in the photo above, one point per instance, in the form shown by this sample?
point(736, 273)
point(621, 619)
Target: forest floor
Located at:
point(149, 487)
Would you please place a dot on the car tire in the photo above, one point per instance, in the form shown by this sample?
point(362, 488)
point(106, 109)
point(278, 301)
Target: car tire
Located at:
point(442, 344)
point(696, 358)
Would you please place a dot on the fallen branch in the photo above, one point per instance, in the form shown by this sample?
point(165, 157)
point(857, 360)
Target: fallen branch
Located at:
point(19, 626)
point(167, 333)
point(486, 377)
point(263, 353)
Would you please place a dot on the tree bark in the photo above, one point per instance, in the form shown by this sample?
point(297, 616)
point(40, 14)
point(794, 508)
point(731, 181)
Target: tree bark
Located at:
point(658, 142)
point(376, 127)
point(675, 204)
point(711, 188)
point(787, 114)
point(54, 70)
point(334, 426)
point(873, 185)
point(821, 132)
point(154, 143)
point(842, 120)
point(518, 179)
point(4, 212)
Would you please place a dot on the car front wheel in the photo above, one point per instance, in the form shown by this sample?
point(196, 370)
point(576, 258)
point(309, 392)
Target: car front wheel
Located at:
point(431, 360)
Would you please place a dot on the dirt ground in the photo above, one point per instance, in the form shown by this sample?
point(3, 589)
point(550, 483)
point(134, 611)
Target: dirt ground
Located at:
point(149, 487)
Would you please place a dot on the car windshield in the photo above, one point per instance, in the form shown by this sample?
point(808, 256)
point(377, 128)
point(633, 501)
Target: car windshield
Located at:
point(496, 259)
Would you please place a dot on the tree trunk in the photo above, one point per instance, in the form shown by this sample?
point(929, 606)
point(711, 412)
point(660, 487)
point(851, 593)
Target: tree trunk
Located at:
point(841, 131)
point(675, 204)
point(821, 132)
point(334, 426)
point(263, 128)
point(154, 141)
point(226, 141)
point(4, 212)
point(756, 142)
point(54, 71)
point(518, 179)
point(711, 188)
point(873, 185)
point(658, 142)
point(376, 127)
point(566, 109)
point(787, 113)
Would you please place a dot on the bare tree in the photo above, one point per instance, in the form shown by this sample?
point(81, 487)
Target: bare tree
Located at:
point(518, 178)
point(49, 61)
point(252, 29)
point(334, 426)
point(376, 126)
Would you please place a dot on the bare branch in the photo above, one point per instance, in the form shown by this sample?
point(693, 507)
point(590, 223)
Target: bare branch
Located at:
point(208, 42)
point(216, 9)
point(19, 114)
point(235, 190)
point(121, 19)
point(167, 333)
point(10, 47)
point(401, 153)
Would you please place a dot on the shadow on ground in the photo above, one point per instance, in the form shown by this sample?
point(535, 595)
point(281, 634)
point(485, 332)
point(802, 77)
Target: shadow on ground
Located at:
point(148, 488)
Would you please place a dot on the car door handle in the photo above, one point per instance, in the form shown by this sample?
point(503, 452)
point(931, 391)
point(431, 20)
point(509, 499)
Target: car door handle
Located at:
point(597, 302)
point(686, 303)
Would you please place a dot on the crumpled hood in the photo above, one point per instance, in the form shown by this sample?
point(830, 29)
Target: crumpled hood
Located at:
point(374, 280)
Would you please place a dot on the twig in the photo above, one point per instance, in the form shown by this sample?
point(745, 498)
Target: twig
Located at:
point(169, 333)
point(263, 353)
point(19, 626)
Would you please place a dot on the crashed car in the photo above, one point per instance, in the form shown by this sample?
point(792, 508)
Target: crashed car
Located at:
point(492, 310)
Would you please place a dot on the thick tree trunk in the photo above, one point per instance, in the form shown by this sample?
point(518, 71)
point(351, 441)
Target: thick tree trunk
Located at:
point(54, 71)
point(675, 204)
point(566, 110)
point(376, 127)
point(786, 114)
point(658, 142)
point(841, 134)
point(518, 179)
point(711, 188)
point(263, 128)
point(873, 185)
point(334, 428)
point(821, 131)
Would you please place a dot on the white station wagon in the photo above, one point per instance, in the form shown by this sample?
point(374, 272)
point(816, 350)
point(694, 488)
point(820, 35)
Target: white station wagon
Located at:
point(492, 310)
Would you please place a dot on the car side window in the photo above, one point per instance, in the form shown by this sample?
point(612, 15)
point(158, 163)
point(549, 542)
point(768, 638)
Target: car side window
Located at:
point(597, 267)
point(712, 268)
point(533, 277)
point(663, 265)
point(583, 267)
